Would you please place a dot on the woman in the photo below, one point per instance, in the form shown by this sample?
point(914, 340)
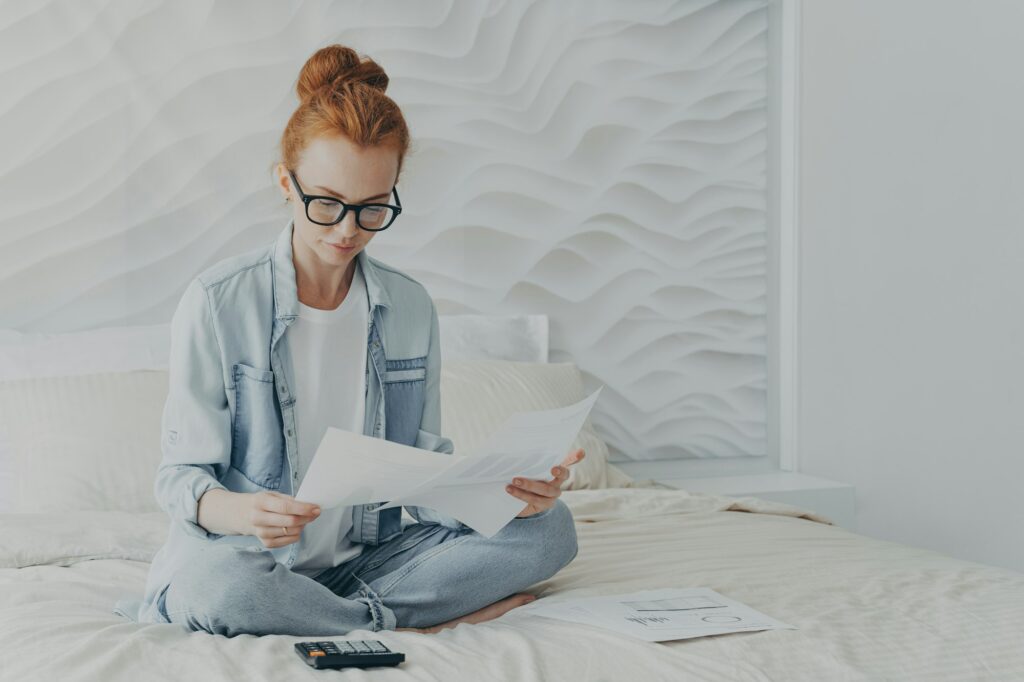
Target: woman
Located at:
point(267, 352)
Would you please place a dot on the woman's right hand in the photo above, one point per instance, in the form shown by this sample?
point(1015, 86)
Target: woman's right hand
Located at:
point(268, 513)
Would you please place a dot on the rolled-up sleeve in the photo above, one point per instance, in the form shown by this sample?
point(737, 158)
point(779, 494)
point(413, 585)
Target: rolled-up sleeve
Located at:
point(429, 436)
point(195, 436)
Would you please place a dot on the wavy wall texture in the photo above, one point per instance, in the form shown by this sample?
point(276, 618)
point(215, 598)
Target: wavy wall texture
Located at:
point(599, 162)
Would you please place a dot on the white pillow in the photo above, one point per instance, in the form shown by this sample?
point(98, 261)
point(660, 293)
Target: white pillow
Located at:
point(522, 338)
point(478, 395)
point(85, 442)
point(92, 442)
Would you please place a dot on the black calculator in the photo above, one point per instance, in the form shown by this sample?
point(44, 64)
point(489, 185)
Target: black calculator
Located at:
point(347, 653)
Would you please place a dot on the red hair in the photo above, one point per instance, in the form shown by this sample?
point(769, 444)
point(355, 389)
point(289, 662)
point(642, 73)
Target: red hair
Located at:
point(342, 94)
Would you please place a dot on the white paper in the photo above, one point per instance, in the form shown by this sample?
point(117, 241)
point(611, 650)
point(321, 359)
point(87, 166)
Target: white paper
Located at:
point(350, 468)
point(527, 444)
point(661, 615)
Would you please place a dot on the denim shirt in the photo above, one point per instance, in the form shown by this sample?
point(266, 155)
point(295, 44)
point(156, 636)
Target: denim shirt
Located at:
point(229, 419)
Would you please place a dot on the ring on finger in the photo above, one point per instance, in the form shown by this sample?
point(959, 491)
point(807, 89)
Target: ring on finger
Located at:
point(285, 530)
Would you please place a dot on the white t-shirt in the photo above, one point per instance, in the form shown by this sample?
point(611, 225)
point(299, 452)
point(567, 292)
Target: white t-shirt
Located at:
point(328, 349)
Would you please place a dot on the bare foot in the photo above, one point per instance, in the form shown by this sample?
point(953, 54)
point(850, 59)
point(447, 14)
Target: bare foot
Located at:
point(490, 612)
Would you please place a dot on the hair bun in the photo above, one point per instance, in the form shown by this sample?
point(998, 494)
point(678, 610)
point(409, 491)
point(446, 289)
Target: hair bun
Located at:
point(335, 66)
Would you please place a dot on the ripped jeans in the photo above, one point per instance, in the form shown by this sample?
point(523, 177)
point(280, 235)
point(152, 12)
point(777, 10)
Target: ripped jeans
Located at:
point(426, 575)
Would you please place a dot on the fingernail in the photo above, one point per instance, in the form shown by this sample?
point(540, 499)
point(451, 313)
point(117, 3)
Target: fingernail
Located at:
point(518, 481)
point(508, 488)
point(317, 510)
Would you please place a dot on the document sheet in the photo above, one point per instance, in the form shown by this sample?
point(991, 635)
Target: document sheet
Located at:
point(661, 615)
point(350, 468)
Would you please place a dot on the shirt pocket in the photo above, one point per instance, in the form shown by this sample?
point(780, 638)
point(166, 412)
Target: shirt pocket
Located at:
point(257, 437)
point(404, 381)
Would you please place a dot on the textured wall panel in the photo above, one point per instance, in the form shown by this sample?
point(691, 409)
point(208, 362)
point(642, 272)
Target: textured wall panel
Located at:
point(599, 162)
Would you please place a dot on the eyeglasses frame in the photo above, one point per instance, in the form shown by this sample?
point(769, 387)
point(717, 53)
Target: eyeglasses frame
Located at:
point(307, 198)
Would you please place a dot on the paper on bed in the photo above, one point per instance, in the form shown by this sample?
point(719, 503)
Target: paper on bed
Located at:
point(350, 468)
point(662, 615)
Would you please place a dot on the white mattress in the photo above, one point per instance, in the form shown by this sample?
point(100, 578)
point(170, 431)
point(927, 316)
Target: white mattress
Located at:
point(865, 609)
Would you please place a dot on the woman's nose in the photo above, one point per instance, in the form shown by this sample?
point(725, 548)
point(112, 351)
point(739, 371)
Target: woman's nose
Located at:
point(348, 227)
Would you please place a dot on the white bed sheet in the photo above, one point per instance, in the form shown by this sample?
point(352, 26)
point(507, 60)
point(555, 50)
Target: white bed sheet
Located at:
point(866, 609)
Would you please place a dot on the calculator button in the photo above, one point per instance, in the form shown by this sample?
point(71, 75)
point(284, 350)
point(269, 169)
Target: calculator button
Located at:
point(317, 653)
point(378, 647)
point(364, 648)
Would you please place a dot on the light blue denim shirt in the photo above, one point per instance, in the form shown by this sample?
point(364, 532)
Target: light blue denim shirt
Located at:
point(229, 419)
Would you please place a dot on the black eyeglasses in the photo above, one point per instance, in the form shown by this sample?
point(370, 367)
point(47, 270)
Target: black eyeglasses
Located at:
point(324, 210)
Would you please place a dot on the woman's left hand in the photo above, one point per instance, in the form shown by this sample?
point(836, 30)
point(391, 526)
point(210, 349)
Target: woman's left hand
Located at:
point(541, 495)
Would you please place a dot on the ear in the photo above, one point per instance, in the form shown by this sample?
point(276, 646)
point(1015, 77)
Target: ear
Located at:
point(283, 181)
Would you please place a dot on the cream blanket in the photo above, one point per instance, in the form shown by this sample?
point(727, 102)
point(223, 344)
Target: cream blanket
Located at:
point(866, 609)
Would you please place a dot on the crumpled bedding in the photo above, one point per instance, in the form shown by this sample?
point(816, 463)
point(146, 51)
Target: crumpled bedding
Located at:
point(865, 609)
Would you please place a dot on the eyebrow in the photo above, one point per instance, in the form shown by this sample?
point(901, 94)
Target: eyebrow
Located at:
point(385, 195)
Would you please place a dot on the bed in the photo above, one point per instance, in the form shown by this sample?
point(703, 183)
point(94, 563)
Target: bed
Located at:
point(74, 545)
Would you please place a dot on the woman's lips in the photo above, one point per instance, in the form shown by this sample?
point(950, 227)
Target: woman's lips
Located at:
point(343, 249)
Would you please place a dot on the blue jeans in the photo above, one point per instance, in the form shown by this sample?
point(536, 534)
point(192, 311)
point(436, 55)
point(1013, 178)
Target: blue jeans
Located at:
point(426, 575)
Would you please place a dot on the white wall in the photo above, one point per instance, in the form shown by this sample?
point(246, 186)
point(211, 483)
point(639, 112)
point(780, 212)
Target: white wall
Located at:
point(912, 268)
point(603, 163)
